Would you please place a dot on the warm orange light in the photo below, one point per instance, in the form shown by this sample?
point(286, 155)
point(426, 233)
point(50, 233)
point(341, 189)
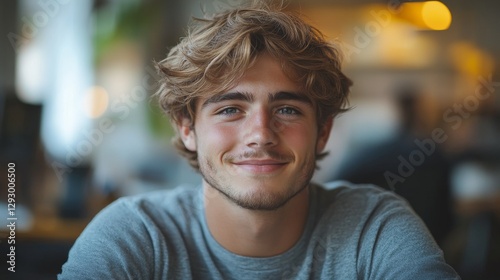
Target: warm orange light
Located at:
point(432, 15)
point(95, 101)
point(471, 60)
point(436, 15)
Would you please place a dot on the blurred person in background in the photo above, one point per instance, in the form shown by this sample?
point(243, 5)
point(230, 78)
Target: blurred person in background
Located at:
point(473, 247)
point(253, 93)
point(389, 164)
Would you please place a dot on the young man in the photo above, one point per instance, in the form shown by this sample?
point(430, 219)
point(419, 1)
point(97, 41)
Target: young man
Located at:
point(253, 93)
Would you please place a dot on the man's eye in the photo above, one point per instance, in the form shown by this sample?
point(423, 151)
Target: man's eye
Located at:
point(288, 111)
point(228, 111)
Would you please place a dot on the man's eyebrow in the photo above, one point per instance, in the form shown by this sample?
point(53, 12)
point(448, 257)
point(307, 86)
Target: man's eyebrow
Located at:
point(285, 95)
point(228, 96)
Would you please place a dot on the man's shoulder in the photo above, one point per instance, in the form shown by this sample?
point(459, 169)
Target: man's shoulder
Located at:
point(350, 204)
point(183, 194)
point(356, 195)
point(160, 205)
point(140, 231)
point(349, 215)
point(366, 229)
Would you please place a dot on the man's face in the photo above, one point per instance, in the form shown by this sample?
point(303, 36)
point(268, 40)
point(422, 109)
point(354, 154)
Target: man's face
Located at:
point(257, 142)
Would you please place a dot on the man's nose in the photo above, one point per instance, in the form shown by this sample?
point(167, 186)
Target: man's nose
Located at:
point(260, 129)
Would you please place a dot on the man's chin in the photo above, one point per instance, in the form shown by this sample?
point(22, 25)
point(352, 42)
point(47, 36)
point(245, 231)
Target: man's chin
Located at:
point(261, 198)
point(259, 204)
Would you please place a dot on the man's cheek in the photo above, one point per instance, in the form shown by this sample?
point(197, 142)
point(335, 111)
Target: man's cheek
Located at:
point(214, 139)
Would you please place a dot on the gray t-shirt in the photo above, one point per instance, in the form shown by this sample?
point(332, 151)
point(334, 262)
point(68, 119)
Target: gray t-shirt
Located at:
point(352, 232)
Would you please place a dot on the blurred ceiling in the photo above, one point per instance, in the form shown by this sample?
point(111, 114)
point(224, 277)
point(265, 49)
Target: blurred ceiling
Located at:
point(474, 22)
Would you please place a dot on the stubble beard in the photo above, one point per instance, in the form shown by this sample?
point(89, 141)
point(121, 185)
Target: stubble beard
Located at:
point(266, 201)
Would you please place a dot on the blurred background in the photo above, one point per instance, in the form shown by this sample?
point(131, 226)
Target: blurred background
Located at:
point(78, 122)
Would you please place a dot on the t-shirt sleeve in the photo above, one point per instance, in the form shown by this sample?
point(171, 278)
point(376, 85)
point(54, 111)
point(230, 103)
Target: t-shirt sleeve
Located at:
point(115, 245)
point(397, 245)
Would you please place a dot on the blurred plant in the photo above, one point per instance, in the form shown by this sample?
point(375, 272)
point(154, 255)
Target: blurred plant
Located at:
point(130, 20)
point(133, 23)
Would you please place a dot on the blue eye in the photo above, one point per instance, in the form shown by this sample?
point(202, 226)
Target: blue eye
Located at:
point(288, 111)
point(228, 111)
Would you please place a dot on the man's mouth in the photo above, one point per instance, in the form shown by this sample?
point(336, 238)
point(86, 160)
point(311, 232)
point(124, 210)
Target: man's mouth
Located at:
point(260, 165)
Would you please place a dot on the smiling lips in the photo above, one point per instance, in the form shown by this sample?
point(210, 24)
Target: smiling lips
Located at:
point(260, 165)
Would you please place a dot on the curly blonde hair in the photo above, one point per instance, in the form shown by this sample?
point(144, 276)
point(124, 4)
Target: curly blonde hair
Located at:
point(218, 50)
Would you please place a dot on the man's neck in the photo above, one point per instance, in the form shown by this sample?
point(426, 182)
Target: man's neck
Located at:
point(255, 233)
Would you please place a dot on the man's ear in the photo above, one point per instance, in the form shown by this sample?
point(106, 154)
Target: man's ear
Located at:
point(323, 135)
point(188, 137)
